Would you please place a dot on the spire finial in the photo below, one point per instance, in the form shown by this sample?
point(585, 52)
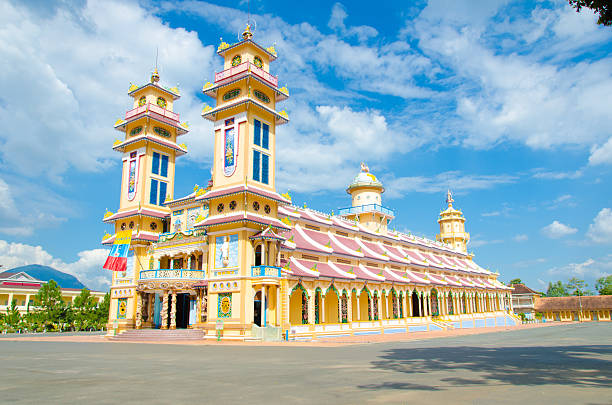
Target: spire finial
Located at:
point(449, 198)
point(364, 167)
point(155, 74)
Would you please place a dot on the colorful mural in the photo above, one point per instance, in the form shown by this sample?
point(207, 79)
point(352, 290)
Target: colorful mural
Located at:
point(224, 305)
point(226, 251)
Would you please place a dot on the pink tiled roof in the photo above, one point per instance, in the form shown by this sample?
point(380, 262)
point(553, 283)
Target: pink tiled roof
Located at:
point(369, 273)
point(241, 216)
point(435, 279)
point(372, 250)
point(300, 269)
point(136, 211)
point(242, 188)
point(416, 277)
point(392, 275)
point(340, 248)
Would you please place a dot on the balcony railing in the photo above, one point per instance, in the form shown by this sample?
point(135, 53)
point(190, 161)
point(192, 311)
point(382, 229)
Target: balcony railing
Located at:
point(365, 208)
point(152, 108)
point(244, 67)
point(265, 271)
point(172, 274)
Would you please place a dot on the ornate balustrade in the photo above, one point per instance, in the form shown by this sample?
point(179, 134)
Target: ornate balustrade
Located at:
point(152, 108)
point(172, 274)
point(265, 271)
point(365, 208)
point(244, 67)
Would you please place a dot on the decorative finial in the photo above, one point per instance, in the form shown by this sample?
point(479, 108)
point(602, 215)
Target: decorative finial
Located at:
point(364, 168)
point(155, 76)
point(247, 34)
point(449, 198)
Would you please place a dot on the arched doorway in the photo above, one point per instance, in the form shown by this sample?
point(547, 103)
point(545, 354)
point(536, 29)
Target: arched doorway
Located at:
point(435, 311)
point(450, 304)
point(365, 305)
point(332, 306)
point(257, 305)
point(416, 307)
point(464, 302)
point(298, 306)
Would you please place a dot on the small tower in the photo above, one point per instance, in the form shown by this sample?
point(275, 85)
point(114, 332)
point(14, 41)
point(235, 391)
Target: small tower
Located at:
point(452, 226)
point(366, 194)
point(149, 148)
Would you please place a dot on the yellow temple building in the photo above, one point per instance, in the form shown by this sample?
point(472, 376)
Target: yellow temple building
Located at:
point(237, 258)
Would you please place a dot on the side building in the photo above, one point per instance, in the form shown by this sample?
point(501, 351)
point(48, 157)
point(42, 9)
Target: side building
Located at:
point(22, 288)
point(579, 309)
point(237, 255)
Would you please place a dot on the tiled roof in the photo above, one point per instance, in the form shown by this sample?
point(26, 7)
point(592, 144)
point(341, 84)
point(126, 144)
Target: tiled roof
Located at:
point(593, 302)
point(522, 289)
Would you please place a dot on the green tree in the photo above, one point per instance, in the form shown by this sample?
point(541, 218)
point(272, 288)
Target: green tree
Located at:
point(577, 287)
point(556, 289)
point(601, 7)
point(101, 312)
point(604, 285)
point(49, 300)
point(83, 307)
point(516, 281)
point(13, 316)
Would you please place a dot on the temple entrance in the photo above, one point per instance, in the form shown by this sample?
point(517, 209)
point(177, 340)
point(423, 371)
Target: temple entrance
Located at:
point(183, 307)
point(257, 309)
point(416, 308)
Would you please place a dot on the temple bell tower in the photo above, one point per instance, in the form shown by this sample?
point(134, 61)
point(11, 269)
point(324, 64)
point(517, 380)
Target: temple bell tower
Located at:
point(242, 226)
point(149, 148)
point(452, 226)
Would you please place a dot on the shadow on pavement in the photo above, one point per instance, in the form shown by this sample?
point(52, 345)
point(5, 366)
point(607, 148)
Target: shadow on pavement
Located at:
point(529, 366)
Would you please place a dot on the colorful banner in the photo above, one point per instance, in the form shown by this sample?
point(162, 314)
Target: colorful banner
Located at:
point(230, 151)
point(117, 258)
point(132, 176)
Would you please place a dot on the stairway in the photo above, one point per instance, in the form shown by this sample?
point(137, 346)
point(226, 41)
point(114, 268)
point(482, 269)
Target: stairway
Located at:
point(140, 335)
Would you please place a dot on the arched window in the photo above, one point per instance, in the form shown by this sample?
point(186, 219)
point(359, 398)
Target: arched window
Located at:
point(258, 255)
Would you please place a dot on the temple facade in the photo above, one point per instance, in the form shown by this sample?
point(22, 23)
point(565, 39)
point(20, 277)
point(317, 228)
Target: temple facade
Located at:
point(237, 258)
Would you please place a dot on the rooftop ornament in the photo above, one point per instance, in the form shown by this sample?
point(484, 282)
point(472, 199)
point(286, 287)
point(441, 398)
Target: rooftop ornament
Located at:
point(132, 87)
point(107, 214)
point(106, 236)
point(207, 85)
point(223, 45)
point(284, 90)
point(247, 34)
point(272, 50)
point(205, 109)
point(155, 76)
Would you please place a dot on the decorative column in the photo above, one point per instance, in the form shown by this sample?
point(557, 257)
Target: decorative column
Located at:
point(164, 313)
point(138, 310)
point(199, 306)
point(409, 298)
point(402, 302)
point(349, 307)
point(173, 311)
point(387, 305)
point(152, 309)
point(358, 306)
point(322, 309)
point(263, 304)
point(311, 306)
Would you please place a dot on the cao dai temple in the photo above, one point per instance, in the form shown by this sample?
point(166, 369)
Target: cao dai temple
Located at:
point(238, 256)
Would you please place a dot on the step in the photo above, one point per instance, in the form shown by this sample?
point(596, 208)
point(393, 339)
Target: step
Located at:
point(159, 334)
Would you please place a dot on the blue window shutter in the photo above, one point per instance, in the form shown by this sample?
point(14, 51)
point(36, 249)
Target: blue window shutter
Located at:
point(256, 165)
point(162, 192)
point(153, 195)
point(164, 166)
point(257, 133)
point(155, 165)
point(265, 135)
point(264, 168)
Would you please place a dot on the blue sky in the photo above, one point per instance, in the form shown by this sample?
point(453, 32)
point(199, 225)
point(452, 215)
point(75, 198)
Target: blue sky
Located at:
point(508, 103)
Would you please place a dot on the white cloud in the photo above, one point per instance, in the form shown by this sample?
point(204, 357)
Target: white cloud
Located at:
point(88, 268)
point(590, 268)
point(540, 173)
point(533, 95)
point(64, 73)
point(521, 238)
point(558, 230)
point(483, 242)
point(458, 182)
point(601, 154)
point(600, 231)
point(35, 210)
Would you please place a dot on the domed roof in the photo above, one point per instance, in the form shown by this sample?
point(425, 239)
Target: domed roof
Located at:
point(365, 179)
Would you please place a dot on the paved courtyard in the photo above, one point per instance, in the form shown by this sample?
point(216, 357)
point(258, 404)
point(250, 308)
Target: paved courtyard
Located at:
point(566, 364)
